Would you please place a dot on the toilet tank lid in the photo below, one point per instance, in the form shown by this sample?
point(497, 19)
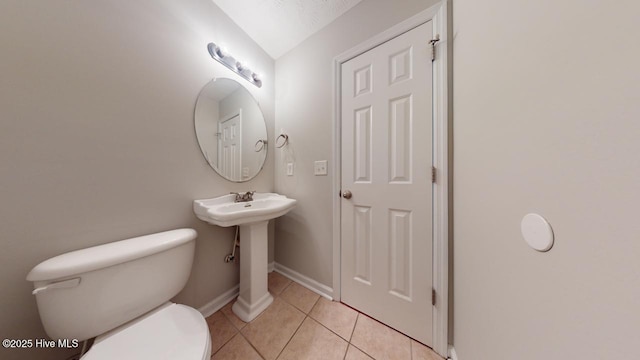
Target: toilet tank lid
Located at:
point(102, 256)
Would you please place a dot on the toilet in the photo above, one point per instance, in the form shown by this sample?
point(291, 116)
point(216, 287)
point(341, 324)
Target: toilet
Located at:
point(119, 293)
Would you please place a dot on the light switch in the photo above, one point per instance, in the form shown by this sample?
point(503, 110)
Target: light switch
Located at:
point(320, 168)
point(290, 169)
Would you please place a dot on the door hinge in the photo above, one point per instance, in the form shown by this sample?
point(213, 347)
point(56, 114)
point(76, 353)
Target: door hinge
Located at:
point(433, 296)
point(433, 42)
point(433, 174)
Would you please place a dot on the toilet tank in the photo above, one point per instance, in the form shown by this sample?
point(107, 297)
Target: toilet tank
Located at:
point(88, 292)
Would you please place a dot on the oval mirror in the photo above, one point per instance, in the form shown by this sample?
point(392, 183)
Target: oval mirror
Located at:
point(231, 130)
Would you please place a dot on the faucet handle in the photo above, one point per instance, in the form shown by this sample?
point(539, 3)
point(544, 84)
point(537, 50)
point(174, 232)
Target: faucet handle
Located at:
point(248, 196)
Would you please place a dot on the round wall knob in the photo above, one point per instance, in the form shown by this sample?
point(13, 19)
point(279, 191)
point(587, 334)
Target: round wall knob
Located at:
point(346, 194)
point(537, 232)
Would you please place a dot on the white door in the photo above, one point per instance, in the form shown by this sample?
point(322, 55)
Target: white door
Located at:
point(386, 231)
point(229, 146)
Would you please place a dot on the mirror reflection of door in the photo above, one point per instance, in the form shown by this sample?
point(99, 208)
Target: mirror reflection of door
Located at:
point(230, 145)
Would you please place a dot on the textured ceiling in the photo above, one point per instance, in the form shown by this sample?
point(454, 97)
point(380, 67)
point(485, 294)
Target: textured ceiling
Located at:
point(279, 25)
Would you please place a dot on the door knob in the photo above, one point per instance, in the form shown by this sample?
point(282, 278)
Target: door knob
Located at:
point(346, 194)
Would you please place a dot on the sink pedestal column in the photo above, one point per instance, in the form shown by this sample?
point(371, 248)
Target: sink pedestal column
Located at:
point(254, 294)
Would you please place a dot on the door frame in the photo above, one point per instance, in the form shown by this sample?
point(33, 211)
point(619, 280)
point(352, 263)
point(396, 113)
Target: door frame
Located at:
point(438, 15)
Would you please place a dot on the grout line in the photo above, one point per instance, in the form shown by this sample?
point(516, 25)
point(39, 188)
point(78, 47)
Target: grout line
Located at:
point(232, 324)
point(226, 342)
point(326, 327)
point(286, 287)
point(354, 328)
point(245, 338)
point(349, 341)
point(314, 305)
point(345, 352)
point(223, 345)
point(295, 308)
point(292, 336)
point(333, 332)
point(250, 344)
point(362, 351)
point(410, 349)
point(229, 321)
point(351, 338)
point(241, 334)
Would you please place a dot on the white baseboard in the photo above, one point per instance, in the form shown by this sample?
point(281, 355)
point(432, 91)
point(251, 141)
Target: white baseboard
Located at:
point(452, 353)
point(219, 302)
point(222, 300)
point(309, 283)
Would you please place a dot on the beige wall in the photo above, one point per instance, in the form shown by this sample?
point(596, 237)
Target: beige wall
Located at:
point(97, 141)
point(304, 96)
point(547, 120)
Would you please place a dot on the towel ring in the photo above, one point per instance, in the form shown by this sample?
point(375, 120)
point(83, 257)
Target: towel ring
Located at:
point(286, 140)
point(260, 144)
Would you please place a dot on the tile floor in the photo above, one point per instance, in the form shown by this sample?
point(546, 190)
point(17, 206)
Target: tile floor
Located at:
point(302, 325)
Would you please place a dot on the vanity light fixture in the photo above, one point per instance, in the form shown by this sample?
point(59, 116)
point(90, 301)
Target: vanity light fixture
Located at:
point(224, 58)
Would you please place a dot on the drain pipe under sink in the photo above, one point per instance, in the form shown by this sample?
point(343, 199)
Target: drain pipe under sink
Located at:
point(236, 243)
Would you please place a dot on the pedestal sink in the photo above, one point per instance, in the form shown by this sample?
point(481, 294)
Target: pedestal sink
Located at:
point(253, 218)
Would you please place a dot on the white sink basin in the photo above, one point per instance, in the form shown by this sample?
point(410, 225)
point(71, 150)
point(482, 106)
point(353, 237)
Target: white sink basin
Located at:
point(224, 211)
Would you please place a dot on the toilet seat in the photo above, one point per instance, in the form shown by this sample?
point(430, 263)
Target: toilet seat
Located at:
point(171, 331)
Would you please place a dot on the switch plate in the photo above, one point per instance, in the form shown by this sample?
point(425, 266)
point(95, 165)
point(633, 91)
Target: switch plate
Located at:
point(320, 168)
point(290, 169)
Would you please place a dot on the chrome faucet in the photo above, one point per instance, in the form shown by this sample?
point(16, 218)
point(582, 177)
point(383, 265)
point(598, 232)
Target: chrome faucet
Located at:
point(248, 196)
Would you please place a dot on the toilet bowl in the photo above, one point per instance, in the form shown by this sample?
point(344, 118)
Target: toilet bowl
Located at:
point(171, 332)
point(119, 293)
